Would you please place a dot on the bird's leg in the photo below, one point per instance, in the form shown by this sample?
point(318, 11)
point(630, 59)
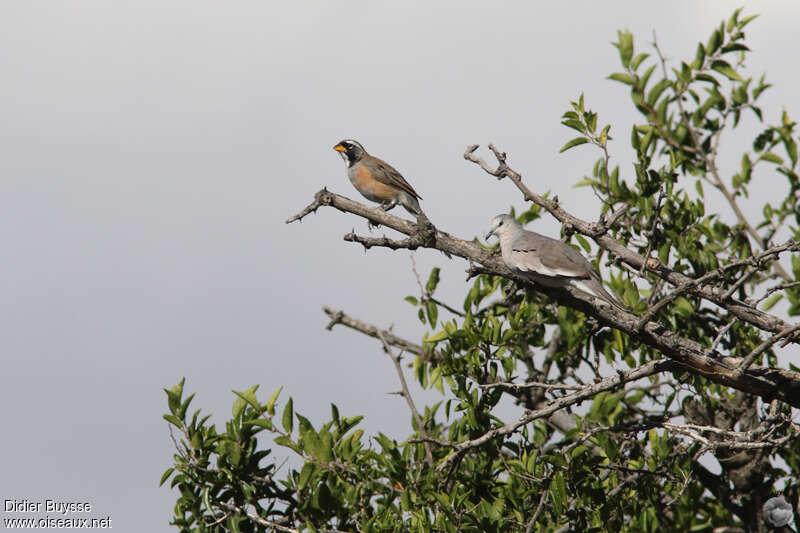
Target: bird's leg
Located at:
point(388, 205)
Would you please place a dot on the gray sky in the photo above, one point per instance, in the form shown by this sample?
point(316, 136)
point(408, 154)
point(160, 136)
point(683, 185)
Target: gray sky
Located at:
point(152, 151)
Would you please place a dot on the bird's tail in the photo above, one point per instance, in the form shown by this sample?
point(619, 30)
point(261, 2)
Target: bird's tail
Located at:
point(596, 289)
point(411, 205)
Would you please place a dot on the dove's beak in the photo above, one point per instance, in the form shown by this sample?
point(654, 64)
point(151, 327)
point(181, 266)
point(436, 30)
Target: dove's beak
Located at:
point(491, 232)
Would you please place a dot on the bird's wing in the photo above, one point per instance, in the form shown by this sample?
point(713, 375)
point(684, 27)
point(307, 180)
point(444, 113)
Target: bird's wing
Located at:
point(386, 174)
point(532, 252)
point(542, 255)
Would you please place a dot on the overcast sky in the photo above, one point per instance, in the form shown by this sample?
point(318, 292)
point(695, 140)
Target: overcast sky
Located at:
point(152, 150)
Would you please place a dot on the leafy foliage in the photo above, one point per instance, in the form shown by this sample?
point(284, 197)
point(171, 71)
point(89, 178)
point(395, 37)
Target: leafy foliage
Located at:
point(630, 459)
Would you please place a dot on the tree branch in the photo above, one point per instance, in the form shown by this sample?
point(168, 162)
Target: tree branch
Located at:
point(597, 232)
point(340, 317)
point(768, 383)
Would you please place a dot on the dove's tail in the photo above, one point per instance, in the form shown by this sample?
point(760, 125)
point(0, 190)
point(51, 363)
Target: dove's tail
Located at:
point(596, 289)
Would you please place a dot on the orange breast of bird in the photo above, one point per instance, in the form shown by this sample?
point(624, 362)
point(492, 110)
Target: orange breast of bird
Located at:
point(371, 188)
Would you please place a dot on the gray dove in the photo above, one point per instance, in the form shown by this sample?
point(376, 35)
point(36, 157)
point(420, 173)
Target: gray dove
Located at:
point(547, 261)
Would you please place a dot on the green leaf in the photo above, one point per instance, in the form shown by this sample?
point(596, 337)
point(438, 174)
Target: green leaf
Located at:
point(634, 141)
point(260, 422)
point(683, 307)
point(700, 56)
point(638, 60)
point(655, 92)
point(621, 77)
point(207, 501)
point(412, 300)
point(437, 337)
point(713, 42)
point(734, 47)
point(625, 47)
point(791, 149)
point(433, 313)
point(575, 124)
point(272, 400)
point(312, 442)
point(732, 21)
point(246, 397)
point(745, 21)
point(726, 70)
point(165, 476)
point(706, 77)
point(174, 420)
point(771, 301)
point(586, 182)
point(288, 416)
point(577, 141)
point(646, 76)
point(583, 242)
point(558, 493)
point(305, 475)
point(433, 281)
point(772, 158)
point(283, 440)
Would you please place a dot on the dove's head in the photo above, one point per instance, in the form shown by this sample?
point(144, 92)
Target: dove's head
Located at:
point(502, 225)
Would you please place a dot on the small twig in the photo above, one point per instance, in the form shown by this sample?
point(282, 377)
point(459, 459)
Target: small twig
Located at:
point(771, 290)
point(255, 518)
point(412, 243)
point(611, 220)
point(516, 387)
point(407, 396)
point(438, 442)
point(694, 432)
point(687, 478)
point(340, 317)
point(739, 282)
point(535, 517)
point(719, 336)
point(651, 231)
point(425, 295)
point(319, 201)
point(764, 346)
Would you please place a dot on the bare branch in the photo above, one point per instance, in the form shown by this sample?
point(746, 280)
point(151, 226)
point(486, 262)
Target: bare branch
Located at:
point(340, 317)
point(368, 242)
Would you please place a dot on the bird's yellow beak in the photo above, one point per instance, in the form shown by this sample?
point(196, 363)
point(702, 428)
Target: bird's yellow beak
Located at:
point(339, 148)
